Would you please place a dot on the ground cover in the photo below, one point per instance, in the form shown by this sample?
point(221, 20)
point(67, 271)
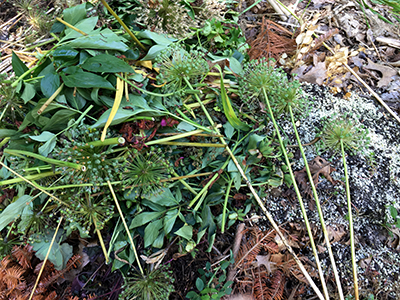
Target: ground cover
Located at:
point(152, 150)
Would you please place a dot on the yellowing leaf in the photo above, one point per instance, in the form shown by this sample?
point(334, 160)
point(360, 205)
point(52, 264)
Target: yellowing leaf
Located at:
point(228, 110)
point(117, 101)
point(145, 63)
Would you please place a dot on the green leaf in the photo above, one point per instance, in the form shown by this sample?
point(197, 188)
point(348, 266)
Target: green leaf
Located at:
point(43, 137)
point(154, 51)
point(144, 218)
point(47, 147)
point(169, 220)
point(18, 66)
point(158, 38)
point(29, 92)
point(121, 116)
point(75, 14)
point(228, 110)
point(186, 232)
point(106, 40)
point(151, 232)
point(199, 284)
point(159, 241)
point(393, 212)
point(208, 222)
point(26, 214)
point(59, 254)
point(49, 84)
point(85, 25)
point(14, 210)
point(59, 120)
point(9, 133)
point(164, 198)
point(65, 53)
point(86, 80)
point(106, 63)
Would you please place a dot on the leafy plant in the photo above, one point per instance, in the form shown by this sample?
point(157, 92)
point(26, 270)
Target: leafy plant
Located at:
point(211, 283)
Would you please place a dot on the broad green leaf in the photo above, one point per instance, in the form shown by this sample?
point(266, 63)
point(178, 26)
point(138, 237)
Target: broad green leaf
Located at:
point(14, 210)
point(199, 284)
point(18, 66)
point(106, 40)
point(144, 218)
point(106, 63)
point(75, 14)
point(49, 84)
point(26, 214)
point(85, 25)
point(186, 232)
point(59, 120)
point(120, 116)
point(47, 147)
point(65, 53)
point(254, 139)
point(154, 51)
point(43, 137)
point(59, 254)
point(235, 66)
point(169, 220)
point(86, 80)
point(9, 133)
point(29, 92)
point(164, 198)
point(228, 110)
point(151, 232)
point(229, 130)
point(158, 38)
point(159, 241)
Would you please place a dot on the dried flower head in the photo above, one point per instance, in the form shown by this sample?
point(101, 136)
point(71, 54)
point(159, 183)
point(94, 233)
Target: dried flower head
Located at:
point(259, 75)
point(343, 128)
point(155, 285)
point(146, 171)
point(176, 65)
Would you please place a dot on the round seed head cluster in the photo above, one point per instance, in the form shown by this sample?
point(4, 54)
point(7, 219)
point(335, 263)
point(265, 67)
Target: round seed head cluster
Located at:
point(99, 163)
point(145, 173)
point(259, 75)
point(289, 96)
point(158, 284)
point(176, 65)
point(342, 128)
point(85, 211)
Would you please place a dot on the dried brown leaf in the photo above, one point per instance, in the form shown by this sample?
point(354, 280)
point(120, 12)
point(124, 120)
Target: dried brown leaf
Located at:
point(387, 72)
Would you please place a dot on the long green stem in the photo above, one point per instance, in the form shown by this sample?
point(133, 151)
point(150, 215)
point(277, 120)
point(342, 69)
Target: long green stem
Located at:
point(46, 159)
point(106, 142)
point(123, 25)
point(321, 216)
point(126, 226)
point(352, 245)
point(228, 190)
point(29, 177)
point(261, 204)
point(45, 259)
point(299, 197)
